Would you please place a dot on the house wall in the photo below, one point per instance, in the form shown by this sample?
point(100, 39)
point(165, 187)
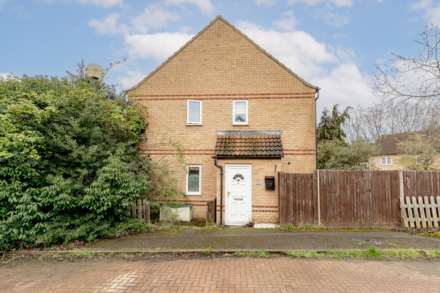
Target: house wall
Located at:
point(376, 163)
point(220, 66)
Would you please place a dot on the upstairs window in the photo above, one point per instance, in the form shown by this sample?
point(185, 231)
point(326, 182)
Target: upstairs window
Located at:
point(240, 112)
point(193, 180)
point(194, 112)
point(387, 161)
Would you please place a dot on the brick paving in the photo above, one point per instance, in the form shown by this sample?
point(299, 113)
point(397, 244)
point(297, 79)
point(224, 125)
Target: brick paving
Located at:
point(278, 274)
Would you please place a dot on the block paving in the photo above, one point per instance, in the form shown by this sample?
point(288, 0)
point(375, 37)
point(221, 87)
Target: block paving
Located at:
point(227, 274)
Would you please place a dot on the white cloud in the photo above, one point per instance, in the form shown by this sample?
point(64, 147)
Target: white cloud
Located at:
point(287, 22)
point(297, 49)
point(431, 10)
point(265, 2)
point(108, 25)
point(205, 6)
point(345, 85)
point(157, 46)
point(153, 17)
point(339, 3)
point(7, 76)
point(102, 3)
point(332, 69)
point(131, 78)
point(334, 19)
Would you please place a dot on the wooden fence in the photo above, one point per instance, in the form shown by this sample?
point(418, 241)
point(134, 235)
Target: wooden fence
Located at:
point(420, 199)
point(359, 198)
point(140, 210)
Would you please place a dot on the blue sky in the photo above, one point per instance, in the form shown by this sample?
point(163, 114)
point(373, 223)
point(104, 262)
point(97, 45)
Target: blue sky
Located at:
point(334, 44)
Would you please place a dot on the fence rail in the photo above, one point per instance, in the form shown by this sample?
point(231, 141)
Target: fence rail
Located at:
point(141, 210)
point(361, 198)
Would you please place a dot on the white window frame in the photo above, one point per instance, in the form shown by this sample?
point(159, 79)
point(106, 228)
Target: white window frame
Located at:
point(247, 112)
point(387, 161)
point(187, 112)
point(187, 192)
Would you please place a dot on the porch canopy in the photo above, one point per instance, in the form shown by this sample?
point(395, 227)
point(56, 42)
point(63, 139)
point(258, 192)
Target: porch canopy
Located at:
point(250, 144)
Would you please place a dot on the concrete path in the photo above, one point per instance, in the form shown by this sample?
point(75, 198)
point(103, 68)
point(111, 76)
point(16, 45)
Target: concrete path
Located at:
point(279, 274)
point(271, 240)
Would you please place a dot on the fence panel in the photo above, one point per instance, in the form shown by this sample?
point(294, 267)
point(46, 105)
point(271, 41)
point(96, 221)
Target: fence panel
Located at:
point(297, 201)
point(341, 198)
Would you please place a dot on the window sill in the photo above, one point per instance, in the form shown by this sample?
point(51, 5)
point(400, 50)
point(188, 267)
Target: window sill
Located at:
point(194, 124)
point(193, 194)
point(240, 124)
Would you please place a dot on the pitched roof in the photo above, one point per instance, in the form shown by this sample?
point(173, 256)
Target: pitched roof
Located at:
point(249, 144)
point(389, 144)
point(220, 18)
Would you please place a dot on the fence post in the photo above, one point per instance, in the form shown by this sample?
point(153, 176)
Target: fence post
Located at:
point(402, 200)
point(147, 212)
point(319, 197)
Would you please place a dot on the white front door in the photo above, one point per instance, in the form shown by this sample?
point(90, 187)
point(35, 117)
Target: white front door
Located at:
point(238, 202)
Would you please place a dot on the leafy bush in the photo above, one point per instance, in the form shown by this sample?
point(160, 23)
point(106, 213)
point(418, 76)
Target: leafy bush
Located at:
point(69, 165)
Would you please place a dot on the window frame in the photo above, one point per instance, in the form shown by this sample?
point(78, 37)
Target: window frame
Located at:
point(190, 193)
point(387, 161)
point(188, 122)
point(234, 112)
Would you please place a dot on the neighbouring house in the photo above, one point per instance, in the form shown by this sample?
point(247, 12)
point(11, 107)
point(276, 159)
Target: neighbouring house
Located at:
point(227, 117)
point(390, 154)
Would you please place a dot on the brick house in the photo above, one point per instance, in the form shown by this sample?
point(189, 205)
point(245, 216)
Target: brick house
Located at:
point(389, 154)
point(238, 117)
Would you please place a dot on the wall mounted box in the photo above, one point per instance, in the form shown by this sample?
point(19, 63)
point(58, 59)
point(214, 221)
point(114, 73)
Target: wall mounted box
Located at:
point(269, 182)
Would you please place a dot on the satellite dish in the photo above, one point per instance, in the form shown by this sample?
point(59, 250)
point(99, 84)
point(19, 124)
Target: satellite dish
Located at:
point(94, 71)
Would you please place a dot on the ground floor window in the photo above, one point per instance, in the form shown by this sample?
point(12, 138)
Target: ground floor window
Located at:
point(194, 180)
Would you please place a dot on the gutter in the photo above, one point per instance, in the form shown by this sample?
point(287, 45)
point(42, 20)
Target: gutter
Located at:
point(316, 125)
point(221, 189)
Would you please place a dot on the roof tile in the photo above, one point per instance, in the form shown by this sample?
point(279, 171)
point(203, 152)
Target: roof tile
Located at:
point(249, 144)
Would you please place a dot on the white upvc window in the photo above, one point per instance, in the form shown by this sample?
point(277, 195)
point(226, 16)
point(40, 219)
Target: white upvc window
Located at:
point(194, 112)
point(387, 161)
point(194, 180)
point(240, 112)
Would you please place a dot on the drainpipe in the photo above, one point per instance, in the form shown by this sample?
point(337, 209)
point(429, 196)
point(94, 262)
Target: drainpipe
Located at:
point(316, 125)
point(221, 189)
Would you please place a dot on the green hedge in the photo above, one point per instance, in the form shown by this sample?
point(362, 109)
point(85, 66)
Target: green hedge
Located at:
point(69, 165)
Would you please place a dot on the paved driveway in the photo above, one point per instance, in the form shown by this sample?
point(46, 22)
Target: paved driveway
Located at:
point(279, 274)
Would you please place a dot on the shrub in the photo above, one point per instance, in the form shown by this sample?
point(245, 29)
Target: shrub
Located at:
point(69, 165)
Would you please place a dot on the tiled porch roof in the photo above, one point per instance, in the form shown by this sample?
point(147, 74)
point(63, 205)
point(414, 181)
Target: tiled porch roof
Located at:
point(249, 145)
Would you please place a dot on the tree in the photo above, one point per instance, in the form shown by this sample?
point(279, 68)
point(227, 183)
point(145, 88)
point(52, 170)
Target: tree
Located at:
point(333, 151)
point(330, 126)
point(69, 166)
point(333, 155)
point(392, 116)
point(420, 151)
point(413, 78)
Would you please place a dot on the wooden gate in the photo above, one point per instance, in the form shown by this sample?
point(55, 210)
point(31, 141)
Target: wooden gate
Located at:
point(141, 210)
point(420, 199)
